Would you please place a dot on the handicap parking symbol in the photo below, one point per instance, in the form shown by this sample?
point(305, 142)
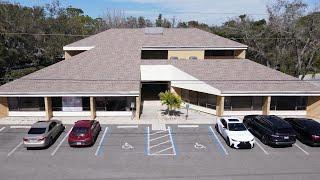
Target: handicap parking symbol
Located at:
point(199, 146)
point(127, 146)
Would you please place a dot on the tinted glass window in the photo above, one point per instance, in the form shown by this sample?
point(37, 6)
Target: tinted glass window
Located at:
point(284, 130)
point(37, 131)
point(154, 54)
point(312, 126)
point(80, 130)
point(237, 127)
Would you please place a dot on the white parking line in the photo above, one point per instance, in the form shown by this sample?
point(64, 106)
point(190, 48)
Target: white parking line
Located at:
point(219, 142)
point(266, 152)
point(126, 127)
point(20, 127)
point(148, 141)
point(159, 137)
point(159, 144)
point(156, 153)
point(157, 132)
point(171, 139)
point(100, 143)
point(2, 129)
point(14, 149)
point(64, 138)
point(188, 126)
point(301, 149)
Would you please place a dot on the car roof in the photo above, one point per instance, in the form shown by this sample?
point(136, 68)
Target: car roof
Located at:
point(41, 124)
point(83, 123)
point(276, 121)
point(309, 123)
point(232, 119)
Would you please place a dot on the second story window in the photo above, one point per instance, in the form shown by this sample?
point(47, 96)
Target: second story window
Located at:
point(216, 54)
point(154, 54)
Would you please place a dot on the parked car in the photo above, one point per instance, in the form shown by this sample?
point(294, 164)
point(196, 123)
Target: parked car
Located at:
point(43, 134)
point(271, 130)
point(84, 133)
point(307, 130)
point(235, 133)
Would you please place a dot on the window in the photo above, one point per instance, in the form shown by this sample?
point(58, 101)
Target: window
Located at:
point(210, 54)
point(52, 125)
point(236, 127)
point(37, 130)
point(86, 103)
point(288, 103)
point(257, 103)
point(199, 98)
point(185, 95)
point(193, 97)
point(114, 103)
point(26, 103)
point(154, 54)
point(212, 101)
point(193, 58)
point(56, 103)
point(243, 103)
point(203, 99)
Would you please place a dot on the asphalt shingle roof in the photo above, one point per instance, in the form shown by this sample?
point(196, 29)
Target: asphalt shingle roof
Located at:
point(113, 66)
point(240, 76)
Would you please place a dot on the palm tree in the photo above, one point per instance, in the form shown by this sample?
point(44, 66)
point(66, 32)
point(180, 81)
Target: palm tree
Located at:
point(171, 100)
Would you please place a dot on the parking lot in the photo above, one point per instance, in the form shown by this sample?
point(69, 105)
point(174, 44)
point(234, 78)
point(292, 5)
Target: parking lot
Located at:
point(138, 152)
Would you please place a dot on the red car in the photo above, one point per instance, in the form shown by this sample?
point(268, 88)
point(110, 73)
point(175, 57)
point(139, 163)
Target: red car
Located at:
point(84, 133)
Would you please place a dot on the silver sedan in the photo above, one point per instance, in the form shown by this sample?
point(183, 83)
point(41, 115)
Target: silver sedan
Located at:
point(43, 133)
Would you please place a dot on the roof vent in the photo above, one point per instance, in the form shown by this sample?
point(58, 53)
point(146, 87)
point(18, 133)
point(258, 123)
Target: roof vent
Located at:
point(153, 31)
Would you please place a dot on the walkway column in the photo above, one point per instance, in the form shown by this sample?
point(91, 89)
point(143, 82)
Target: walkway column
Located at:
point(313, 107)
point(4, 108)
point(220, 106)
point(48, 107)
point(138, 107)
point(266, 105)
point(93, 107)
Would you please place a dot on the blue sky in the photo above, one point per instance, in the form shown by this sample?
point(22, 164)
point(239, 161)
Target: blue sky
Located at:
point(208, 11)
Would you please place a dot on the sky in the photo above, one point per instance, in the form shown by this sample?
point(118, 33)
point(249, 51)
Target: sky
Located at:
point(212, 12)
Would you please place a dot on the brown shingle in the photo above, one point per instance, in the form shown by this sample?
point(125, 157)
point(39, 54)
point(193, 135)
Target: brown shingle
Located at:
point(113, 66)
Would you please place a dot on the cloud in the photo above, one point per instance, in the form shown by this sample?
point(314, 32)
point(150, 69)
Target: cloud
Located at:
point(208, 11)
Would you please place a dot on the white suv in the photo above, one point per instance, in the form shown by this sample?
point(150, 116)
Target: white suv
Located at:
point(235, 132)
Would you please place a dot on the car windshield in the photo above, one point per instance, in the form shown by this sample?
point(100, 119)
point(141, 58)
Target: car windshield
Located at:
point(37, 131)
point(284, 131)
point(237, 127)
point(80, 130)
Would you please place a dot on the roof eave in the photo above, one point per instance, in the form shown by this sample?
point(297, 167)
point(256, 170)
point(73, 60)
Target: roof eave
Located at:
point(68, 94)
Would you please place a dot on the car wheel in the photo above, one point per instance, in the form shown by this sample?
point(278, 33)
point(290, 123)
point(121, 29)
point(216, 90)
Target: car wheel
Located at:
point(264, 140)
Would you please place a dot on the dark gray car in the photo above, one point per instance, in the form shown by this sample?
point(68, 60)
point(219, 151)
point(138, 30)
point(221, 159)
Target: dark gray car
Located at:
point(43, 133)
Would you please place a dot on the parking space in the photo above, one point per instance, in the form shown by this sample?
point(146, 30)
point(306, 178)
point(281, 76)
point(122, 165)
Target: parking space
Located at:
point(139, 149)
point(124, 140)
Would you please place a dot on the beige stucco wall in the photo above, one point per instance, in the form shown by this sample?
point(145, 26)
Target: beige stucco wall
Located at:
point(241, 54)
point(4, 110)
point(313, 108)
point(186, 54)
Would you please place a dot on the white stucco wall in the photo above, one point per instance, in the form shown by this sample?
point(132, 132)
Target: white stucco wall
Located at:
point(114, 113)
point(26, 113)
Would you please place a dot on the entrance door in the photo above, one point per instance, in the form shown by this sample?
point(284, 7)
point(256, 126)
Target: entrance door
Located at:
point(151, 90)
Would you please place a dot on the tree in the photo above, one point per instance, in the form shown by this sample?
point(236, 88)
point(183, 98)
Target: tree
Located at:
point(159, 21)
point(171, 100)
